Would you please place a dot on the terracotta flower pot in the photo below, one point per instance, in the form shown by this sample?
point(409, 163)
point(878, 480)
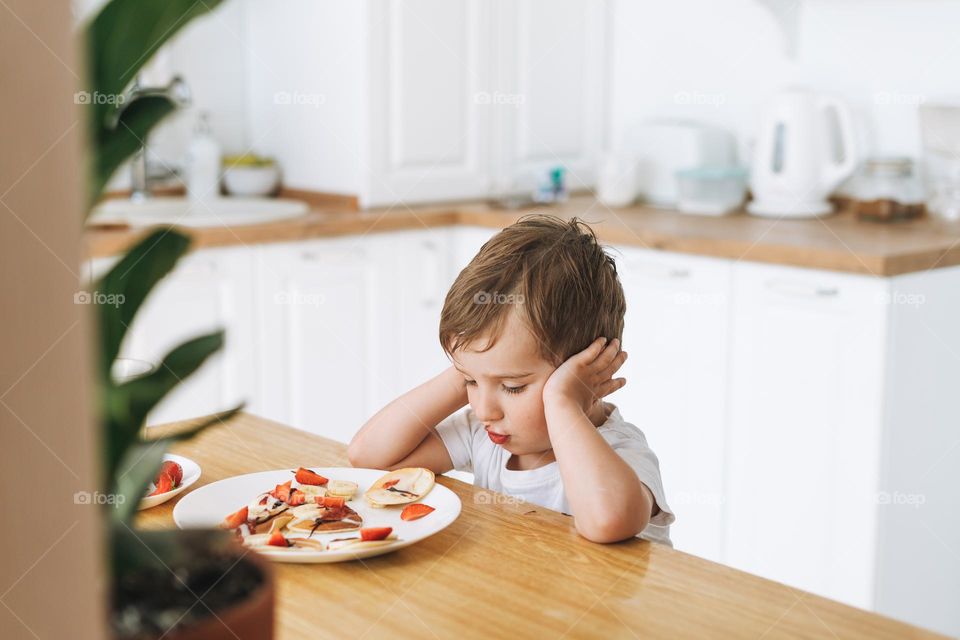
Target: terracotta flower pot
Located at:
point(190, 585)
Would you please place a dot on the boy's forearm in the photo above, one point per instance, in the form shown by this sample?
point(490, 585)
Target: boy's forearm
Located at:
point(396, 430)
point(608, 501)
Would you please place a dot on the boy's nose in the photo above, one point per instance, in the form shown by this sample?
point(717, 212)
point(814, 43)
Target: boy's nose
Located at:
point(485, 408)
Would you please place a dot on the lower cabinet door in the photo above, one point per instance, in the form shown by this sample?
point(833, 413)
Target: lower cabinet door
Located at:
point(317, 309)
point(805, 426)
point(208, 290)
point(676, 333)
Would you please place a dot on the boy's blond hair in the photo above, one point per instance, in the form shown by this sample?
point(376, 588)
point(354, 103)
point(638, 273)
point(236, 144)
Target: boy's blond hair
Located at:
point(553, 272)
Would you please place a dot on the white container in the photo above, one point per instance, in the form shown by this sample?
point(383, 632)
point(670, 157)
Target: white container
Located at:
point(711, 191)
point(664, 146)
point(203, 164)
point(251, 181)
point(617, 181)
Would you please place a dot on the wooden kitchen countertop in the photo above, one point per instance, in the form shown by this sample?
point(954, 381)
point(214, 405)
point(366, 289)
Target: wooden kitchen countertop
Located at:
point(837, 243)
point(509, 570)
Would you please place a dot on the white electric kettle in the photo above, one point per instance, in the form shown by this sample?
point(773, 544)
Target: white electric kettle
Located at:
point(804, 151)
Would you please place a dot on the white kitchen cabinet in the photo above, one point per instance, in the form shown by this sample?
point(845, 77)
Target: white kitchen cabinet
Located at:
point(415, 268)
point(427, 100)
point(676, 332)
point(465, 245)
point(548, 91)
point(428, 134)
point(208, 290)
point(806, 401)
point(348, 325)
point(318, 308)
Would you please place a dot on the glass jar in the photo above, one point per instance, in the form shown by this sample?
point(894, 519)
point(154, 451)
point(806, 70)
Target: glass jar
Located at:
point(888, 189)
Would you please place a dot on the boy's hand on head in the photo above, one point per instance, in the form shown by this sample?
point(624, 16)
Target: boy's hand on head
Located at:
point(586, 377)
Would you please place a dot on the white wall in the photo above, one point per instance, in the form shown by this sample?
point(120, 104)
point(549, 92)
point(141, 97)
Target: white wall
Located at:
point(304, 82)
point(718, 61)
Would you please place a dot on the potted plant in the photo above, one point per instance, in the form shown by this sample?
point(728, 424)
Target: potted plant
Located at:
point(174, 584)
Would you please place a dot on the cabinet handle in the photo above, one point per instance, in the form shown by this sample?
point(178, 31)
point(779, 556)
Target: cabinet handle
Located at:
point(338, 255)
point(658, 271)
point(801, 289)
point(200, 269)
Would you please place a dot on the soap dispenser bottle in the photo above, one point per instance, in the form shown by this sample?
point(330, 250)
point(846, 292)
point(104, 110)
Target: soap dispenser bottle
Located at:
point(203, 163)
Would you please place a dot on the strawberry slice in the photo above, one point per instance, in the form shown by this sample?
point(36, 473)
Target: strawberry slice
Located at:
point(415, 511)
point(277, 540)
point(390, 483)
point(164, 483)
point(174, 470)
point(235, 519)
point(331, 501)
point(375, 533)
point(305, 476)
point(296, 498)
point(282, 491)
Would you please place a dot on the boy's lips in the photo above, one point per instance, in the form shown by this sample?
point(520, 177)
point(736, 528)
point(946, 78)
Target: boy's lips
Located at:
point(497, 438)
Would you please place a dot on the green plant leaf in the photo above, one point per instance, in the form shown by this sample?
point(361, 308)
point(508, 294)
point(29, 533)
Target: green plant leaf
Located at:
point(112, 146)
point(131, 401)
point(126, 34)
point(142, 460)
point(129, 282)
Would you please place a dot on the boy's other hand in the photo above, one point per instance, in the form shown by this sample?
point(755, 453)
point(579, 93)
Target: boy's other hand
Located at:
point(587, 377)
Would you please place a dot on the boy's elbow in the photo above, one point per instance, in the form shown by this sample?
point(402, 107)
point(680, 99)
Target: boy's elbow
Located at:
point(610, 530)
point(357, 456)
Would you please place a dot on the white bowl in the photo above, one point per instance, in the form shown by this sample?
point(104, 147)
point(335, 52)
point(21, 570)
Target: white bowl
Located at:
point(251, 181)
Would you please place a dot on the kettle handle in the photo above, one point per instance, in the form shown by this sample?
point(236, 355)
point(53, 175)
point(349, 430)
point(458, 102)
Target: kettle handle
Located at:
point(836, 172)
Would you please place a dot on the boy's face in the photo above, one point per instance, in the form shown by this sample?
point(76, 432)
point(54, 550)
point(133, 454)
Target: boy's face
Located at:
point(505, 388)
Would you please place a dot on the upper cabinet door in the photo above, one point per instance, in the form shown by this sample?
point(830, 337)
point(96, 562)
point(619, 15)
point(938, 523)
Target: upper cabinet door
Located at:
point(676, 332)
point(807, 373)
point(428, 131)
point(548, 96)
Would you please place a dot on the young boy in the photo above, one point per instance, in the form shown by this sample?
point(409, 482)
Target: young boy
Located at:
point(532, 326)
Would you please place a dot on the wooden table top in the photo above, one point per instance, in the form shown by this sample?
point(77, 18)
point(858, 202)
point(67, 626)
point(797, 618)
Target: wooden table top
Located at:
point(510, 570)
point(839, 242)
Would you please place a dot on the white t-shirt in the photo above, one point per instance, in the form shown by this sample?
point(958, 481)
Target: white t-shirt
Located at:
point(472, 451)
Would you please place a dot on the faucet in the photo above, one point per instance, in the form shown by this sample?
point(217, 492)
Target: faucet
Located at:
point(141, 175)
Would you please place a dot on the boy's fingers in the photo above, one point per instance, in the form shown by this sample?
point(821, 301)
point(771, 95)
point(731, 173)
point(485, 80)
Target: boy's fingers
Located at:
point(614, 365)
point(610, 386)
point(594, 350)
point(609, 354)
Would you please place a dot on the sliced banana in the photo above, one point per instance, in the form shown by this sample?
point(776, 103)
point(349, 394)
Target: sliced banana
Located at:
point(342, 488)
point(312, 490)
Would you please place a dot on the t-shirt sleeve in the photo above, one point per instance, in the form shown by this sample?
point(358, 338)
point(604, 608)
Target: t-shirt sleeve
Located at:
point(631, 445)
point(457, 435)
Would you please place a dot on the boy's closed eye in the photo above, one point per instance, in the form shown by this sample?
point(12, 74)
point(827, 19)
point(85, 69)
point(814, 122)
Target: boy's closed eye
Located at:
point(505, 387)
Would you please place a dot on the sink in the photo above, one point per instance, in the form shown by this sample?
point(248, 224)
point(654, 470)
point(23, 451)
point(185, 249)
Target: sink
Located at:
point(217, 212)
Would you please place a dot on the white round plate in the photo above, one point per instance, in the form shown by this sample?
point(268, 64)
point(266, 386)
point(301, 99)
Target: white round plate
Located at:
point(210, 504)
point(191, 473)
